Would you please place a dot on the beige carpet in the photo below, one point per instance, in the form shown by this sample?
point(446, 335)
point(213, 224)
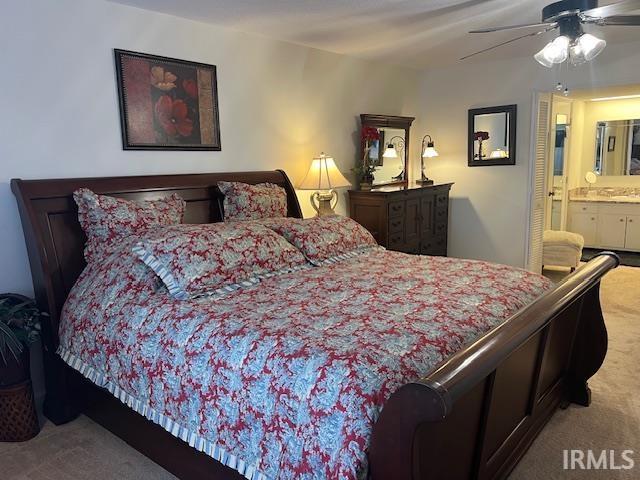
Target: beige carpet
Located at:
point(83, 450)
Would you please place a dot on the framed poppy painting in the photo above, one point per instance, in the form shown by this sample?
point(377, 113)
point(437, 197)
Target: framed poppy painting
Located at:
point(167, 104)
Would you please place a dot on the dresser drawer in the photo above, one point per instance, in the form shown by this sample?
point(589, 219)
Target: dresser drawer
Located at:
point(396, 224)
point(441, 227)
point(396, 240)
point(441, 214)
point(434, 246)
point(396, 209)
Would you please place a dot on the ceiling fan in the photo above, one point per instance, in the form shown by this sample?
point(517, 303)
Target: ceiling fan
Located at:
point(569, 16)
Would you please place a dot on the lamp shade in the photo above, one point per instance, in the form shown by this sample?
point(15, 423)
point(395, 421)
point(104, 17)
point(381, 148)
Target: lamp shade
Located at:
point(323, 175)
point(390, 152)
point(499, 153)
point(430, 151)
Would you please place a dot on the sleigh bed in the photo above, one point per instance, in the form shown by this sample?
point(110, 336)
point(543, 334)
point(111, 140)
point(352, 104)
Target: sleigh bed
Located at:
point(472, 416)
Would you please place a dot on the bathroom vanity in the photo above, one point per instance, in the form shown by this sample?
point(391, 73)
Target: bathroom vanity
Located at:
point(607, 221)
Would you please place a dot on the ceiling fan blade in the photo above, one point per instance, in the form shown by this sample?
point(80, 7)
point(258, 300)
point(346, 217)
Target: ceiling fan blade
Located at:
point(621, 20)
point(513, 27)
point(534, 34)
point(617, 8)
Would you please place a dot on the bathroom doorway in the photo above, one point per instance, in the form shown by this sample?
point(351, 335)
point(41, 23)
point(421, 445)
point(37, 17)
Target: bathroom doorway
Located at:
point(585, 174)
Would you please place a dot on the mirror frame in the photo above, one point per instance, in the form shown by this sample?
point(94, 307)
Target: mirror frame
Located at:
point(512, 110)
point(390, 121)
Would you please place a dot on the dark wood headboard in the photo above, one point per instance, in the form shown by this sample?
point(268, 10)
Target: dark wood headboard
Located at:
point(55, 241)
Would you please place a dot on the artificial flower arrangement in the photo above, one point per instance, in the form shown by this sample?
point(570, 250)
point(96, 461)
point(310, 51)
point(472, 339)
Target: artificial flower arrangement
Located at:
point(365, 169)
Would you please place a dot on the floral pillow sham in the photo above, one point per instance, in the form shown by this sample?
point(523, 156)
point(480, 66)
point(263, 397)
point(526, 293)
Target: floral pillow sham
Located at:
point(253, 202)
point(323, 239)
point(108, 220)
point(192, 260)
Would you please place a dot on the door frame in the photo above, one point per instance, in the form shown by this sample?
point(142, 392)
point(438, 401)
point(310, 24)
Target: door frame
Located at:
point(564, 201)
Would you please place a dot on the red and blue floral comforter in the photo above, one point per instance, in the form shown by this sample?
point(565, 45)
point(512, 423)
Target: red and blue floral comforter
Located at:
point(283, 379)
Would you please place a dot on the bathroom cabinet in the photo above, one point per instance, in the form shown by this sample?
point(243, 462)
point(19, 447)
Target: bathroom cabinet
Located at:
point(606, 225)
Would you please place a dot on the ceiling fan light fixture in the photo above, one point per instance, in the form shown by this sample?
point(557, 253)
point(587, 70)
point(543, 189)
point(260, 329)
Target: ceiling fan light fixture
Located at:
point(591, 46)
point(556, 51)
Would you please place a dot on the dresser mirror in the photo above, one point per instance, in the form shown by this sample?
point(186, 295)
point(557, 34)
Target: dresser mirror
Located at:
point(617, 147)
point(390, 152)
point(492, 136)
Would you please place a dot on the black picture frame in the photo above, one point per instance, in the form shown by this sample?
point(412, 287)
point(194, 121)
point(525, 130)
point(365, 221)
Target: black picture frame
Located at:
point(611, 143)
point(209, 134)
point(512, 114)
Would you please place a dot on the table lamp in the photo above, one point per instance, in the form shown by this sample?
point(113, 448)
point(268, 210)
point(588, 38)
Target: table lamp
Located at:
point(428, 151)
point(323, 176)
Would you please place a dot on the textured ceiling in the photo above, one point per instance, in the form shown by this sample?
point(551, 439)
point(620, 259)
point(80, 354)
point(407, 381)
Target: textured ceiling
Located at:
point(414, 33)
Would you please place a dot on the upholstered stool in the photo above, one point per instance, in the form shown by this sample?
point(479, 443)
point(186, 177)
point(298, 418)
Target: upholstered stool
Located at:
point(562, 249)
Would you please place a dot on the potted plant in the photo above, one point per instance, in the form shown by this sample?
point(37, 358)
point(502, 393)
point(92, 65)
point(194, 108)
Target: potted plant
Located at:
point(19, 328)
point(365, 169)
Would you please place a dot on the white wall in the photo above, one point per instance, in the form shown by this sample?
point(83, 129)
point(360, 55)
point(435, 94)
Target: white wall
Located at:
point(489, 214)
point(280, 104)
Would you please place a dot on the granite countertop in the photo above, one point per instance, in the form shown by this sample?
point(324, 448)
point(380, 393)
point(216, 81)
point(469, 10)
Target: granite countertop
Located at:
point(606, 199)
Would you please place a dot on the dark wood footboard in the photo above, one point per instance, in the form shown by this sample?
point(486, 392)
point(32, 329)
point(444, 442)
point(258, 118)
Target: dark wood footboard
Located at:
point(478, 412)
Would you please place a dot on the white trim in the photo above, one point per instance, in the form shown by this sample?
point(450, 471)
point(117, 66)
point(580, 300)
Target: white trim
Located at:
point(535, 98)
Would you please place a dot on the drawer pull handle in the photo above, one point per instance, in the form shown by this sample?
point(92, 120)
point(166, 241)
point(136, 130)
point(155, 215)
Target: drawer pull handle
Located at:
point(622, 219)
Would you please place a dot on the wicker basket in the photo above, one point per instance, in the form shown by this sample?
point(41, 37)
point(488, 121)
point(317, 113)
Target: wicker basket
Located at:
point(18, 417)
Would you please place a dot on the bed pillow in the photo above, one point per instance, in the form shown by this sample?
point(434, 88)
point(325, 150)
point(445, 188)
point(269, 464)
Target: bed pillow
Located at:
point(108, 220)
point(195, 259)
point(324, 239)
point(252, 202)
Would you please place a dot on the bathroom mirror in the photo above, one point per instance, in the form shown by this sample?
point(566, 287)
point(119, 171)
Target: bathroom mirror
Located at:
point(617, 147)
point(390, 153)
point(492, 136)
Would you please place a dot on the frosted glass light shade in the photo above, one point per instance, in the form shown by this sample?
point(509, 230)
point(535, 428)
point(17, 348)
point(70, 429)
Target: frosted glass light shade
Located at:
point(499, 153)
point(390, 152)
point(586, 48)
point(556, 51)
point(430, 152)
point(323, 174)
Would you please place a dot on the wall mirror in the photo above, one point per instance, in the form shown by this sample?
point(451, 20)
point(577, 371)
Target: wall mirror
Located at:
point(492, 136)
point(618, 147)
point(390, 153)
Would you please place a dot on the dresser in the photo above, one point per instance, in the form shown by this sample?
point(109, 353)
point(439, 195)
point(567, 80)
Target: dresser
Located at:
point(411, 219)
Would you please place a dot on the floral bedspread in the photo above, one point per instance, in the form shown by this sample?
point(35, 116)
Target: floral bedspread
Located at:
point(284, 379)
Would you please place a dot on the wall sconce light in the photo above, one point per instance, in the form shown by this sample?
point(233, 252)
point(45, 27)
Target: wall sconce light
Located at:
point(428, 151)
point(323, 176)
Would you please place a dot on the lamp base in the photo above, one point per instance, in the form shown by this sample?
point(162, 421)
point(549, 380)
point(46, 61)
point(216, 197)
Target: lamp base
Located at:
point(326, 202)
point(424, 181)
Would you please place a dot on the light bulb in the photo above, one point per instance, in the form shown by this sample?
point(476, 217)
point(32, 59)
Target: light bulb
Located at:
point(586, 48)
point(554, 52)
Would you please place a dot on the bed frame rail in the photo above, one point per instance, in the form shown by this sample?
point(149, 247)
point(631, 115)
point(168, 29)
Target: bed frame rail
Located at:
point(477, 413)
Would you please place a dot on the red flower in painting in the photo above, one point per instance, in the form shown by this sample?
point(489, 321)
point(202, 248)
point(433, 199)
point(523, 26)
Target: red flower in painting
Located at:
point(172, 116)
point(191, 87)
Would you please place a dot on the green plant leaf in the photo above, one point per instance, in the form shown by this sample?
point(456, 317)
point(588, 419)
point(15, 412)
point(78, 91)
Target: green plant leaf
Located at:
point(9, 343)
